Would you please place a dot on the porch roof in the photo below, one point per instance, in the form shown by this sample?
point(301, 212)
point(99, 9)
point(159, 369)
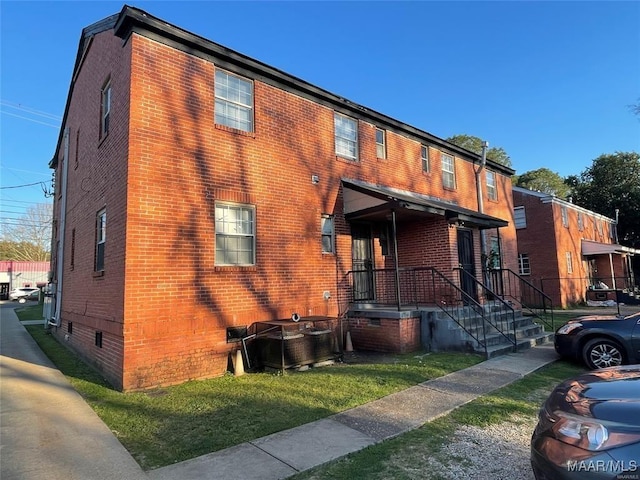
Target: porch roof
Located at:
point(597, 248)
point(365, 201)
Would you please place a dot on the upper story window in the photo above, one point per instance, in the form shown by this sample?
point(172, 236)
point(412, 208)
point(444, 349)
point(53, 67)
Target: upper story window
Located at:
point(234, 101)
point(381, 143)
point(346, 136)
point(565, 216)
point(328, 235)
point(448, 171)
point(580, 221)
point(520, 217)
point(612, 230)
point(101, 239)
point(599, 224)
point(569, 262)
point(424, 157)
point(105, 109)
point(492, 189)
point(235, 234)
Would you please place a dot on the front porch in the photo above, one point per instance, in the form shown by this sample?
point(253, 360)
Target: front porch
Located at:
point(412, 308)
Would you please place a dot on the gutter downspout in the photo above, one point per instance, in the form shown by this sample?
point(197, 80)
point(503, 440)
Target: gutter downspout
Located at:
point(483, 242)
point(55, 320)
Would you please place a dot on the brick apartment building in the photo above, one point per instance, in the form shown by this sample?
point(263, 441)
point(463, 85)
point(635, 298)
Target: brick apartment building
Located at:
point(567, 250)
point(200, 191)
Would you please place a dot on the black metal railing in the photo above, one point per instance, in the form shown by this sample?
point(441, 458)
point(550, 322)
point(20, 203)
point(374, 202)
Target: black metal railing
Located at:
point(500, 314)
point(426, 286)
point(532, 300)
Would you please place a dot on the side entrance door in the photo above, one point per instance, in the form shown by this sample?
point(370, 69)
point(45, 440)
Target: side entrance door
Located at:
point(362, 262)
point(467, 263)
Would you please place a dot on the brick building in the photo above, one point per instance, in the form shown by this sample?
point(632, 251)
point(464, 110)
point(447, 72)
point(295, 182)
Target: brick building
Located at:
point(200, 191)
point(568, 250)
point(18, 274)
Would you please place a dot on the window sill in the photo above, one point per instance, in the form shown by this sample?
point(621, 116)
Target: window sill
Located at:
point(350, 161)
point(102, 139)
point(235, 268)
point(236, 131)
point(99, 274)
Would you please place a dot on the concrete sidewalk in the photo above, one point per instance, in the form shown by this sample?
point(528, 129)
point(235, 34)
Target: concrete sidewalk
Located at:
point(49, 432)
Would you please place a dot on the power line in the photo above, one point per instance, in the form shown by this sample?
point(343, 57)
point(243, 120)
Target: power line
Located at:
point(29, 119)
point(33, 111)
point(25, 185)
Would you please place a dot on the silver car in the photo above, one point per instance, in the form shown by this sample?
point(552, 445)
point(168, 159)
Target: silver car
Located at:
point(23, 294)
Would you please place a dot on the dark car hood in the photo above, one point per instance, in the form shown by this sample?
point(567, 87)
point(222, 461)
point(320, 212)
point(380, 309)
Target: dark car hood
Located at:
point(599, 318)
point(611, 394)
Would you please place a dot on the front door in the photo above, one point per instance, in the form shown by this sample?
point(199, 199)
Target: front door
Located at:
point(362, 260)
point(467, 262)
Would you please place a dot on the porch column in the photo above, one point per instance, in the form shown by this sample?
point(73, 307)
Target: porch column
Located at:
point(395, 255)
point(613, 274)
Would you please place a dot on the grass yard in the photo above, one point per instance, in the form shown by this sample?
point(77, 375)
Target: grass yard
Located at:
point(176, 423)
point(32, 312)
point(414, 454)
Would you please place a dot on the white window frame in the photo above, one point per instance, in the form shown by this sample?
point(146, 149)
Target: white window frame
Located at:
point(238, 227)
point(492, 186)
point(424, 158)
point(101, 239)
point(105, 108)
point(524, 264)
point(230, 103)
point(381, 143)
point(346, 136)
point(564, 213)
point(327, 227)
point(448, 170)
point(520, 221)
point(569, 262)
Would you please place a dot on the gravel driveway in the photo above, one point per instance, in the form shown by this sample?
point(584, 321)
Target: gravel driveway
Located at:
point(467, 457)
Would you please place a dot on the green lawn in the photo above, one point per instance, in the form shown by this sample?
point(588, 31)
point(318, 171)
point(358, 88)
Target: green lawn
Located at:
point(173, 424)
point(32, 312)
point(411, 456)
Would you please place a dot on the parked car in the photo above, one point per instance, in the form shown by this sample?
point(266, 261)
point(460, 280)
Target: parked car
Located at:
point(23, 294)
point(600, 340)
point(589, 427)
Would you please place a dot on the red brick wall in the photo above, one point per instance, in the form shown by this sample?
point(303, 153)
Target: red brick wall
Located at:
point(159, 173)
point(391, 335)
point(547, 241)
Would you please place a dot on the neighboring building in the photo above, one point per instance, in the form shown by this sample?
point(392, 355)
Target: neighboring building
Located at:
point(15, 274)
point(200, 191)
point(569, 251)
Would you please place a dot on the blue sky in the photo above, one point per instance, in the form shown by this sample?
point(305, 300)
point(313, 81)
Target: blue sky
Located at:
point(550, 82)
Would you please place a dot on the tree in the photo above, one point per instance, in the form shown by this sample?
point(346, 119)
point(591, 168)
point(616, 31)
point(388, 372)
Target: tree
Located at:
point(545, 181)
point(474, 144)
point(613, 182)
point(29, 239)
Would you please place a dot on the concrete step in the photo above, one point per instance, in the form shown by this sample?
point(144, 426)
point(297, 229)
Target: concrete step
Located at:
point(523, 344)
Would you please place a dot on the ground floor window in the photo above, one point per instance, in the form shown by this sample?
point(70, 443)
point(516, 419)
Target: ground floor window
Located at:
point(524, 268)
point(235, 234)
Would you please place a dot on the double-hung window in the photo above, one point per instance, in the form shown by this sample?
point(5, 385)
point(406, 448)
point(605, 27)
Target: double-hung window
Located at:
point(346, 137)
point(105, 109)
point(235, 234)
point(520, 217)
point(565, 216)
point(569, 262)
point(580, 221)
point(101, 239)
point(492, 189)
point(524, 267)
point(448, 171)
point(424, 158)
point(328, 235)
point(234, 101)
point(381, 144)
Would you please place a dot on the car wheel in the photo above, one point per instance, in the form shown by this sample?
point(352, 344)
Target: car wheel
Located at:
point(22, 300)
point(602, 353)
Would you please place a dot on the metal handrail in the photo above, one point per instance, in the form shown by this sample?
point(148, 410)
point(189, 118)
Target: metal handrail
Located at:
point(527, 301)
